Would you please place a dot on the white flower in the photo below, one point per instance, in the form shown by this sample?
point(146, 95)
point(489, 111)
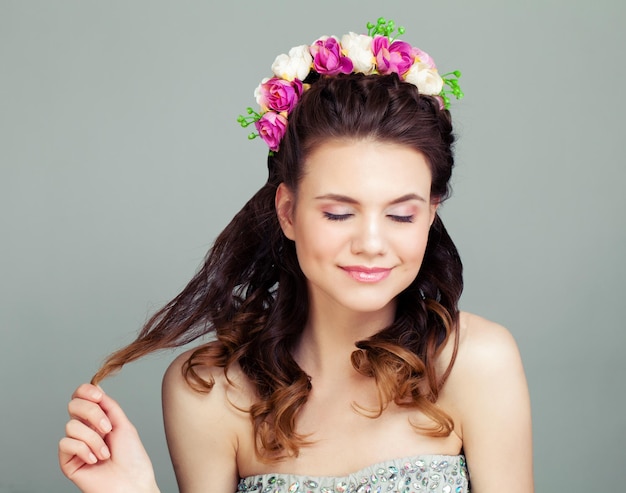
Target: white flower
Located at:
point(295, 65)
point(257, 93)
point(427, 80)
point(358, 47)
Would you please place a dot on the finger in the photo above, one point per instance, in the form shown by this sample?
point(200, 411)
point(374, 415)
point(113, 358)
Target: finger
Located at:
point(115, 414)
point(89, 392)
point(73, 454)
point(77, 430)
point(90, 413)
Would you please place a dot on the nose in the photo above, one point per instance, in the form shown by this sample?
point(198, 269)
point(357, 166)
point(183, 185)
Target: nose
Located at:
point(368, 237)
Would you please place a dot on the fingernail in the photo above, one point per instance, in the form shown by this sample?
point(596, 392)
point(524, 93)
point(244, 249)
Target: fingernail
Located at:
point(105, 425)
point(92, 458)
point(96, 394)
point(105, 452)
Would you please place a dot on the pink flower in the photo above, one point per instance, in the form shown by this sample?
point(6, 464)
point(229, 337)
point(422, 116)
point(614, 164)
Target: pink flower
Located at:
point(279, 94)
point(392, 58)
point(424, 58)
point(272, 127)
point(328, 59)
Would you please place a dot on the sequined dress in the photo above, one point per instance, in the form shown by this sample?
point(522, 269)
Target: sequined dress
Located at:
point(419, 474)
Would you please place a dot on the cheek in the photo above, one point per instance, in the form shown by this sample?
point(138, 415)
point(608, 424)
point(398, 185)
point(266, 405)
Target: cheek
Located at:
point(318, 243)
point(411, 249)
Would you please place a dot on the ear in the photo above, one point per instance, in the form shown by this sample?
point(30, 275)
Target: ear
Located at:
point(284, 201)
point(434, 206)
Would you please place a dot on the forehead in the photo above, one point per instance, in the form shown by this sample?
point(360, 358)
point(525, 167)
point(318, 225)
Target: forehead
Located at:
point(362, 167)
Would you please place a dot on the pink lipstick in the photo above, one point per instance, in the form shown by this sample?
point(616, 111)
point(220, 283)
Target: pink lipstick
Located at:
point(367, 274)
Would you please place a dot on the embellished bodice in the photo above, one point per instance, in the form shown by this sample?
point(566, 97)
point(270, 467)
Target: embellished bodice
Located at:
point(419, 474)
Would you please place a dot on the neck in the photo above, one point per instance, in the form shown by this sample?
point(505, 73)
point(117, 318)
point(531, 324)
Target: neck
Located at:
point(330, 335)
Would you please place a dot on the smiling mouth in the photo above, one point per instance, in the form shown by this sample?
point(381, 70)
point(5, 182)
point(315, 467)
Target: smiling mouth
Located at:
point(367, 274)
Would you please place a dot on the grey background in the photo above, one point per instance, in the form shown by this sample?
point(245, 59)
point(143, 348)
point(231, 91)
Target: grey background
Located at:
point(120, 160)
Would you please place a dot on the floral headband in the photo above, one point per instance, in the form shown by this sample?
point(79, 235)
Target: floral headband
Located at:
point(375, 53)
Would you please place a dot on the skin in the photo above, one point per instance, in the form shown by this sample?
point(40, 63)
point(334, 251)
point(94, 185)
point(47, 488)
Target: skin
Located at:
point(101, 451)
point(360, 205)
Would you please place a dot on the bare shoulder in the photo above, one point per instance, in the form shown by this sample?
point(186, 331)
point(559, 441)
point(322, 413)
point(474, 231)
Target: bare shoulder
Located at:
point(203, 427)
point(231, 386)
point(488, 362)
point(484, 345)
point(488, 397)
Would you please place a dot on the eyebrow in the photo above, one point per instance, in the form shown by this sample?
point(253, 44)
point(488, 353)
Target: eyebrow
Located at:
point(349, 200)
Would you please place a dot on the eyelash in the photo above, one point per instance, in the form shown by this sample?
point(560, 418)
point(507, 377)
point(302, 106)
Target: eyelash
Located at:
point(336, 217)
point(343, 217)
point(402, 219)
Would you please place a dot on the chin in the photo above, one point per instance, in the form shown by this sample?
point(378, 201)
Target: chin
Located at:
point(367, 304)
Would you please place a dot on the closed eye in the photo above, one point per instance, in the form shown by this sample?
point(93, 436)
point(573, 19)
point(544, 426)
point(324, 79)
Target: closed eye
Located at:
point(402, 219)
point(336, 217)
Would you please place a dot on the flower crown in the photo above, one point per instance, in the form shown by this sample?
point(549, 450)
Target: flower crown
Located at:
point(375, 53)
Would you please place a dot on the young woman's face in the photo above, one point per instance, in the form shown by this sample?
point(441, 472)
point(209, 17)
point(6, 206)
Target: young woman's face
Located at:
point(360, 221)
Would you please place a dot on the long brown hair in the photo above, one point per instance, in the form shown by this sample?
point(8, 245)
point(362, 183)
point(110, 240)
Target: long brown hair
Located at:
point(252, 294)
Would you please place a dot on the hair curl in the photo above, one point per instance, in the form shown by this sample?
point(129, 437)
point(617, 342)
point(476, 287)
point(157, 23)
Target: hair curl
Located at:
point(251, 292)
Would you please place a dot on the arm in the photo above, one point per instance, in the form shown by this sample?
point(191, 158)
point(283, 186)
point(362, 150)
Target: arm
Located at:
point(201, 433)
point(101, 451)
point(489, 389)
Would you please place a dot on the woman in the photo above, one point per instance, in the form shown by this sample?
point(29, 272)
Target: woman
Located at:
point(341, 360)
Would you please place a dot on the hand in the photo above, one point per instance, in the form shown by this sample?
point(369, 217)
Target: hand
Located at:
point(102, 452)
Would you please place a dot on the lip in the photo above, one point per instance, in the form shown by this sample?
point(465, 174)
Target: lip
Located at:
point(365, 274)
